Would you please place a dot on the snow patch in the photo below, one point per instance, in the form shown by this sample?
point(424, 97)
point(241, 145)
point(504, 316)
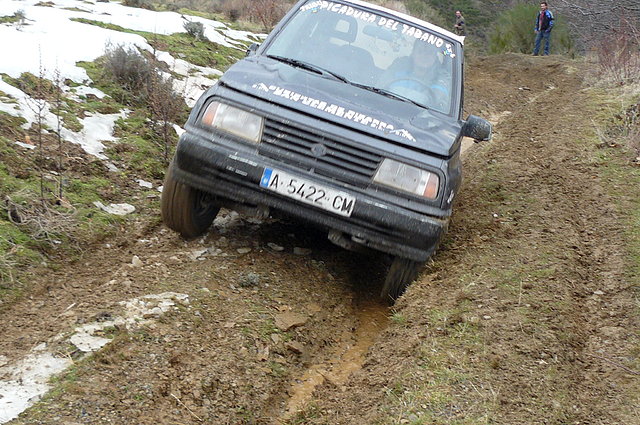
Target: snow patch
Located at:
point(116, 209)
point(24, 382)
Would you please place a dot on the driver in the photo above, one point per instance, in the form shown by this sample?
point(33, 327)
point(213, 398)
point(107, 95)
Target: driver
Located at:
point(420, 76)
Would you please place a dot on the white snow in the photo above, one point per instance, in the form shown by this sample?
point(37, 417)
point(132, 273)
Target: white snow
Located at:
point(145, 184)
point(116, 209)
point(25, 381)
point(51, 44)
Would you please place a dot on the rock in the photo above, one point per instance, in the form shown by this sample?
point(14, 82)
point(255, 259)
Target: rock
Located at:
point(145, 184)
point(250, 280)
point(196, 254)
point(136, 262)
point(275, 247)
point(314, 308)
point(598, 292)
point(288, 320)
point(301, 251)
point(294, 346)
point(243, 250)
point(277, 339)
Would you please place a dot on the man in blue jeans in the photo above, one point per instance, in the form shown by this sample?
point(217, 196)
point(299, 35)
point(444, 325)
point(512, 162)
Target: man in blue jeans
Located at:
point(544, 24)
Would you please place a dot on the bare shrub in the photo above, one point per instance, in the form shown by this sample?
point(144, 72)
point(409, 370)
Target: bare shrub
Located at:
point(142, 4)
point(618, 53)
point(623, 131)
point(42, 222)
point(7, 265)
point(21, 18)
point(166, 107)
point(129, 69)
point(195, 30)
point(631, 128)
point(267, 12)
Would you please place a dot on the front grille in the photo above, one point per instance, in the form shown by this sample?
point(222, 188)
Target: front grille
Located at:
point(318, 153)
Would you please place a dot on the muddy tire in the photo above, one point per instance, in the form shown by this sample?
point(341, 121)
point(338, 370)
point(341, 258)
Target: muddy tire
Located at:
point(184, 209)
point(402, 272)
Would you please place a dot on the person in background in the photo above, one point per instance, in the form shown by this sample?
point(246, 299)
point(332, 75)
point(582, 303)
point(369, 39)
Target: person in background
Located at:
point(459, 28)
point(544, 24)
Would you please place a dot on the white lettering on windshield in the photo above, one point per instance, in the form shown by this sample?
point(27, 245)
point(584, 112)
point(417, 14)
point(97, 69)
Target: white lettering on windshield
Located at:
point(391, 24)
point(333, 109)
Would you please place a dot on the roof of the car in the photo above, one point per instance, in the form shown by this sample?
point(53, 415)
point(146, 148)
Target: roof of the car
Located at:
point(409, 18)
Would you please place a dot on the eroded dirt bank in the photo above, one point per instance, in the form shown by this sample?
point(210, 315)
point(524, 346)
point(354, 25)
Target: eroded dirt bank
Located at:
point(524, 316)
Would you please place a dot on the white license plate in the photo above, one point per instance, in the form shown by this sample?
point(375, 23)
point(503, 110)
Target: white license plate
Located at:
point(308, 192)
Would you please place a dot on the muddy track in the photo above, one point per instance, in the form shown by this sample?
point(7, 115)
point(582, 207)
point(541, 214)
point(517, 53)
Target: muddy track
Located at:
point(274, 310)
point(524, 316)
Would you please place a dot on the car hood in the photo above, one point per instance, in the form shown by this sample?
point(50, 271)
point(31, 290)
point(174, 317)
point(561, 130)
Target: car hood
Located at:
point(331, 99)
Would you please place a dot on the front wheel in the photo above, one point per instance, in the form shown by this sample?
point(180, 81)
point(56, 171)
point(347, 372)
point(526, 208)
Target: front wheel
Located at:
point(186, 210)
point(400, 275)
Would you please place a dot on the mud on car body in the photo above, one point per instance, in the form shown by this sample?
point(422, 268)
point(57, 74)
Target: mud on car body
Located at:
point(347, 116)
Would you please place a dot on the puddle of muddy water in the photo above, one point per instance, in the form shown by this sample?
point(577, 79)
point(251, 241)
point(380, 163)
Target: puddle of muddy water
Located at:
point(348, 356)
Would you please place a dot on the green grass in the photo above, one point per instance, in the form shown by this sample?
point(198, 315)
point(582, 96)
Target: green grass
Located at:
point(9, 19)
point(182, 45)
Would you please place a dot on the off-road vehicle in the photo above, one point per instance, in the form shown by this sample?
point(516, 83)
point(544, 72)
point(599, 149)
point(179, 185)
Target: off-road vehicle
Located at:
point(347, 116)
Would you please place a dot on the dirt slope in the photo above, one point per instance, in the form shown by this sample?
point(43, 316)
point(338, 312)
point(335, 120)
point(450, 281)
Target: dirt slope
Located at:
point(524, 316)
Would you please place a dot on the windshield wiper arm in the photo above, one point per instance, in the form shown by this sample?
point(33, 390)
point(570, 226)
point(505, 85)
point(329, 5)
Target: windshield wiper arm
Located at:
point(309, 67)
point(388, 93)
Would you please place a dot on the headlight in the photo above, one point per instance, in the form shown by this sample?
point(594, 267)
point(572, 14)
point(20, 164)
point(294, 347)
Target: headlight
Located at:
point(233, 120)
point(410, 179)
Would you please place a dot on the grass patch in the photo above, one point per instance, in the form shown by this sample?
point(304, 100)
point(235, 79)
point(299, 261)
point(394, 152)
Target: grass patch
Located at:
point(183, 46)
point(139, 149)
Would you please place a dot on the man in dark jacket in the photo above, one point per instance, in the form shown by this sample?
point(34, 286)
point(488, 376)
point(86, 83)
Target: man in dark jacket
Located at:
point(544, 24)
point(459, 26)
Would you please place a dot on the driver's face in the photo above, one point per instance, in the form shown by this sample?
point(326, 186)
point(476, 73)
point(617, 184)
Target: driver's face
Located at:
point(423, 56)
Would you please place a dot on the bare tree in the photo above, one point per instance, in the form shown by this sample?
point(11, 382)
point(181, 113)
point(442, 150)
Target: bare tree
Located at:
point(57, 80)
point(37, 102)
point(267, 12)
point(164, 104)
point(593, 20)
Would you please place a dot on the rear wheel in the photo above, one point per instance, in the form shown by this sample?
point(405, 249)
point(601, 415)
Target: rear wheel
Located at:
point(184, 209)
point(400, 275)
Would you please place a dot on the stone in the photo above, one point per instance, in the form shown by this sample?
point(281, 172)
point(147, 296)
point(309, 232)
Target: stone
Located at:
point(136, 261)
point(288, 320)
point(301, 251)
point(294, 346)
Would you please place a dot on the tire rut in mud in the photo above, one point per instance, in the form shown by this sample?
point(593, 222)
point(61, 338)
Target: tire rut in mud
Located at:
point(272, 308)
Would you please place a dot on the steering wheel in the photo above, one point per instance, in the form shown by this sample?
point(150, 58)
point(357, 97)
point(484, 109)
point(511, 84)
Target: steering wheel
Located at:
point(434, 94)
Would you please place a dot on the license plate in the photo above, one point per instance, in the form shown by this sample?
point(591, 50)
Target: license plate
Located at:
point(308, 192)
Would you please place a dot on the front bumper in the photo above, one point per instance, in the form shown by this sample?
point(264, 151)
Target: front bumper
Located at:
point(233, 173)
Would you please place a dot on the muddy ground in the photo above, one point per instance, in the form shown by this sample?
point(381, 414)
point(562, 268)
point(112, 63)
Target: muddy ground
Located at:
point(525, 315)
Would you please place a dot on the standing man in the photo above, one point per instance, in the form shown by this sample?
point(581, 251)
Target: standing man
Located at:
point(544, 24)
point(459, 27)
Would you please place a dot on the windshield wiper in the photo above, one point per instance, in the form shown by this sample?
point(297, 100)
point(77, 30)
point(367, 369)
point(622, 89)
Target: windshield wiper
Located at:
point(322, 71)
point(309, 67)
point(388, 93)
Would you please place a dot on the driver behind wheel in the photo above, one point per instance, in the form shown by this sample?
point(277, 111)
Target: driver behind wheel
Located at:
point(421, 76)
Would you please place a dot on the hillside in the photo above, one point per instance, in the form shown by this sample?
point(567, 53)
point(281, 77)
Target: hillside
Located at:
point(528, 313)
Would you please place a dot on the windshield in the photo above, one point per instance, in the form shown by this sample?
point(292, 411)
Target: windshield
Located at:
point(374, 51)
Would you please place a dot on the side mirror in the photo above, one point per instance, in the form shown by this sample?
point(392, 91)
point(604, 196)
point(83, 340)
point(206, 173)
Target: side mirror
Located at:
point(477, 128)
point(252, 49)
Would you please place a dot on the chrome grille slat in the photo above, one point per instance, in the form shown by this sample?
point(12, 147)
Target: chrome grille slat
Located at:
point(293, 144)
